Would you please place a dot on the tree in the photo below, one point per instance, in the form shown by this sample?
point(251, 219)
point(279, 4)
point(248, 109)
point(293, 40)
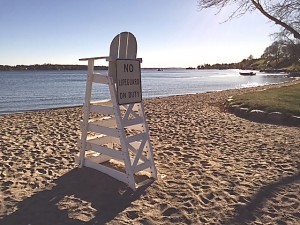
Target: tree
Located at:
point(274, 51)
point(285, 13)
point(283, 53)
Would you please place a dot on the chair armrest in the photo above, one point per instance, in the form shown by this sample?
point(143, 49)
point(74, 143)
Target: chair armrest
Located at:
point(94, 58)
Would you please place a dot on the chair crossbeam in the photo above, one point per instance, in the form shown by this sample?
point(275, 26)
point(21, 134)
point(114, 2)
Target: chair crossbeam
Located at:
point(104, 150)
point(105, 110)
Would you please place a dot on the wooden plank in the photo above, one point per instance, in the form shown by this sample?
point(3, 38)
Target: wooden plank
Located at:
point(134, 150)
point(103, 130)
point(136, 137)
point(128, 110)
point(104, 121)
point(139, 127)
point(107, 170)
point(110, 122)
point(106, 110)
point(114, 47)
point(94, 58)
point(139, 153)
point(99, 78)
point(99, 159)
point(86, 110)
point(123, 45)
point(142, 166)
point(104, 140)
point(131, 46)
point(115, 154)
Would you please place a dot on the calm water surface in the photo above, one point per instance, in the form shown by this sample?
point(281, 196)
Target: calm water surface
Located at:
point(33, 90)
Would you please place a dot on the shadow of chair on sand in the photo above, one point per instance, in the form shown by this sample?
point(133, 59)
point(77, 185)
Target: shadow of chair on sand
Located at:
point(247, 213)
point(81, 196)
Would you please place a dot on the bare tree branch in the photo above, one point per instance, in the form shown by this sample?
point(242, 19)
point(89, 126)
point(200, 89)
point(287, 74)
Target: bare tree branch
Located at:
point(285, 13)
point(277, 21)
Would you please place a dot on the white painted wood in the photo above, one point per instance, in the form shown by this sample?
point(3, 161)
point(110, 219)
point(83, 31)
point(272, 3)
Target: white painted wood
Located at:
point(123, 47)
point(114, 132)
point(136, 137)
point(142, 166)
point(131, 47)
point(134, 150)
point(104, 121)
point(111, 142)
point(127, 163)
point(86, 109)
point(104, 150)
point(131, 109)
point(104, 140)
point(139, 153)
point(106, 110)
point(94, 58)
point(110, 122)
point(100, 158)
point(148, 145)
point(137, 127)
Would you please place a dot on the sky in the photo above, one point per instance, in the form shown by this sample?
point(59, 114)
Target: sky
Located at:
point(169, 33)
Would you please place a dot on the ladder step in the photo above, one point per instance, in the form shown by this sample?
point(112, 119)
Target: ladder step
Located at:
point(99, 159)
point(137, 137)
point(89, 137)
point(109, 122)
point(116, 154)
point(104, 140)
point(103, 130)
point(139, 127)
point(106, 110)
point(103, 121)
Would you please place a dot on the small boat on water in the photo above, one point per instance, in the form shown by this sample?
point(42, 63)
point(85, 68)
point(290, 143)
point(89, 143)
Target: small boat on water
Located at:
point(247, 73)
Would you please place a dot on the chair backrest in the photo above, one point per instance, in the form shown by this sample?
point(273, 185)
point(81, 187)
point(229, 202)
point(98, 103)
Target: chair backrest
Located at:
point(123, 46)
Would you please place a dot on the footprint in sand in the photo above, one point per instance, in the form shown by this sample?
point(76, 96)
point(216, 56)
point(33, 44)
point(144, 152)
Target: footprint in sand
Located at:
point(132, 214)
point(170, 211)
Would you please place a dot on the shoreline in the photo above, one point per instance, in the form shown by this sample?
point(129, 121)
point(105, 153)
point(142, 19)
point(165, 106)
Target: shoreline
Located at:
point(163, 96)
point(214, 168)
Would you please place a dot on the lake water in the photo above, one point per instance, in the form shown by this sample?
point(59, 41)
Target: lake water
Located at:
point(33, 90)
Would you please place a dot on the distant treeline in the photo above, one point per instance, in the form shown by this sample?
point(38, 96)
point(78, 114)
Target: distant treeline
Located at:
point(48, 67)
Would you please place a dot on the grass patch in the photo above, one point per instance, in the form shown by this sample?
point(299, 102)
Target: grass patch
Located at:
point(284, 99)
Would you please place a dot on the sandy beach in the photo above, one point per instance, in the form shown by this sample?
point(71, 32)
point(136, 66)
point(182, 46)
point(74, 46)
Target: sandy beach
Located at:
point(214, 168)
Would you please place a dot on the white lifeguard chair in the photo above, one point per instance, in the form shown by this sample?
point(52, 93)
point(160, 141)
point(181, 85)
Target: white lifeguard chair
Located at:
point(117, 141)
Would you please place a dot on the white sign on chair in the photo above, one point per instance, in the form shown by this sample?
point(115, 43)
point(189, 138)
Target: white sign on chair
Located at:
point(129, 89)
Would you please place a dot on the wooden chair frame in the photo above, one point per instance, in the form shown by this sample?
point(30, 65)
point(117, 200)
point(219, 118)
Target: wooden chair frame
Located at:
point(120, 133)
